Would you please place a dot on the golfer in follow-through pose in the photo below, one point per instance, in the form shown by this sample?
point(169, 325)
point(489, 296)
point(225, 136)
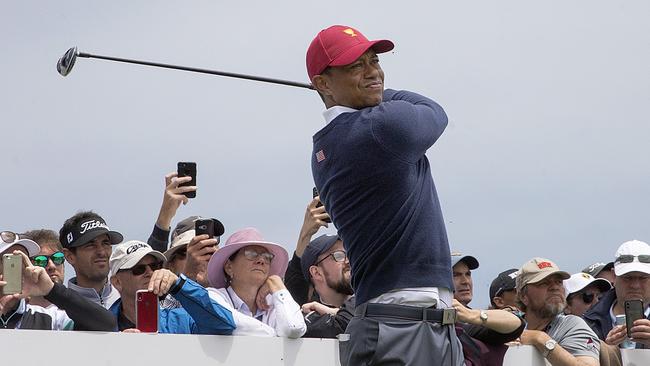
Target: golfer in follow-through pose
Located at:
point(370, 168)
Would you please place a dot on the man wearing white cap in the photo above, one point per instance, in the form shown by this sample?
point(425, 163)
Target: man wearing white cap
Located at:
point(632, 268)
point(16, 313)
point(583, 291)
point(562, 339)
point(134, 266)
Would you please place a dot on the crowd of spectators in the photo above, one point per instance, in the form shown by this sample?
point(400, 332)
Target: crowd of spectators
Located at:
point(252, 286)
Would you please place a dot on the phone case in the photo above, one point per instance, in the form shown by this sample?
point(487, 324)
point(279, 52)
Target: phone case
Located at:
point(146, 311)
point(633, 312)
point(204, 226)
point(12, 273)
point(187, 169)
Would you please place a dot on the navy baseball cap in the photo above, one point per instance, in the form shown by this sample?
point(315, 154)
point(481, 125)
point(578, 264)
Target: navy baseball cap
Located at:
point(314, 249)
point(505, 281)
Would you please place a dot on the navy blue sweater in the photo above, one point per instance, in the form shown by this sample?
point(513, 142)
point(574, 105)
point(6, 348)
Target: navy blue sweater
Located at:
point(375, 181)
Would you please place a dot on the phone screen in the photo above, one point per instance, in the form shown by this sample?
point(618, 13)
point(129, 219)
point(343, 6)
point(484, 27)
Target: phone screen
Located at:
point(12, 273)
point(633, 312)
point(146, 311)
point(187, 169)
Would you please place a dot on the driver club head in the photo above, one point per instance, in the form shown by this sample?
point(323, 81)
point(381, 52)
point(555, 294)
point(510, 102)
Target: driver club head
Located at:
point(66, 62)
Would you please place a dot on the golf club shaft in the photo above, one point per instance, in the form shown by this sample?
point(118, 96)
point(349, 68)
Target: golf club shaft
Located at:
point(194, 69)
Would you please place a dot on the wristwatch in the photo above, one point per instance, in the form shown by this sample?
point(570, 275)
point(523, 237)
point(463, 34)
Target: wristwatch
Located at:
point(484, 317)
point(549, 346)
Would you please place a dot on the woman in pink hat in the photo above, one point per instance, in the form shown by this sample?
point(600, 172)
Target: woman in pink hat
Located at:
point(245, 276)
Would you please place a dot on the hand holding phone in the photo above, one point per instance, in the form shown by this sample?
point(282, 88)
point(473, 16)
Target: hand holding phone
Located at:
point(633, 312)
point(319, 204)
point(146, 311)
point(187, 169)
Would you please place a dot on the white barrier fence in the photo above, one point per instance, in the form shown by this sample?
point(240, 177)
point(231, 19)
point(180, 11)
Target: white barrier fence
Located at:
point(37, 348)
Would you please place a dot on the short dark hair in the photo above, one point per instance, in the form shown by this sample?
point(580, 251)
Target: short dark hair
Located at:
point(70, 223)
point(44, 236)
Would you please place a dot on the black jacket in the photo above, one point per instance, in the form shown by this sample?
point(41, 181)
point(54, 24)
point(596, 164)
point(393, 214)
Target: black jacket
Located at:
point(84, 314)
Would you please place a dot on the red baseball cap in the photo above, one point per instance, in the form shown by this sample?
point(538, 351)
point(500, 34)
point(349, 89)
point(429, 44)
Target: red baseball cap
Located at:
point(340, 45)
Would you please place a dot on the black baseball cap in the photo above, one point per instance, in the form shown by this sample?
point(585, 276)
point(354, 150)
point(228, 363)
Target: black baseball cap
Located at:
point(314, 249)
point(505, 281)
point(88, 229)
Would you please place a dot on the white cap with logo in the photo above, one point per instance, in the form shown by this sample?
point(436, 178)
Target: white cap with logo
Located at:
point(128, 254)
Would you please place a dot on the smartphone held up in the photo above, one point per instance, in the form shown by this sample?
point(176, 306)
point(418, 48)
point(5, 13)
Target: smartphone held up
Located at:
point(146, 311)
point(314, 194)
point(633, 312)
point(12, 274)
point(187, 169)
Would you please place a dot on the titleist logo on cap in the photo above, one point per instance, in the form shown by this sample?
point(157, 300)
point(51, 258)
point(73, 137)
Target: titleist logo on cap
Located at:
point(92, 224)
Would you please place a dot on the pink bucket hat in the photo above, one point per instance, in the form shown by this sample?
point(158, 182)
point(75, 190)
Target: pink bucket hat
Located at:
point(240, 239)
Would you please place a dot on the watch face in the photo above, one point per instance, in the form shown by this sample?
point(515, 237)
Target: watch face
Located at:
point(550, 344)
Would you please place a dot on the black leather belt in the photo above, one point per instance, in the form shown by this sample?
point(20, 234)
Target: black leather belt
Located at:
point(442, 316)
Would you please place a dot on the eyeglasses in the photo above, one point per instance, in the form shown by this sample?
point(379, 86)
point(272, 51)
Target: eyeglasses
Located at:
point(8, 237)
point(41, 260)
point(338, 256)
point(140, 269)
point(628, 258)
point(252, 255)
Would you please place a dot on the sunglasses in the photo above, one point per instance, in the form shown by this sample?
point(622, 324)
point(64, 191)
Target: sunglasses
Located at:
point(41, 260)
point(8, 237)
point(252, 255)
point(140, 269)
point(338, 256)
point(587, 297)
point(628, 258)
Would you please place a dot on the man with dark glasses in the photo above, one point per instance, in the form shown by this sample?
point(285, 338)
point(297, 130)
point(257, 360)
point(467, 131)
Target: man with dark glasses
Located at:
point(583, 291)
point(87, 243)
point(134, 266)
point(17, 313)
point(50, 257)
point(632, 268)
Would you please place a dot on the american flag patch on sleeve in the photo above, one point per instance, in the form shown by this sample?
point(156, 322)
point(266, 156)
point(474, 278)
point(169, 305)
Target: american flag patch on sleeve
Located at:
point(320, 156)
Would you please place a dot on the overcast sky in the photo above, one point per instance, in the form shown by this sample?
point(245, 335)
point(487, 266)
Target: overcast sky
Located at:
point(546, 153)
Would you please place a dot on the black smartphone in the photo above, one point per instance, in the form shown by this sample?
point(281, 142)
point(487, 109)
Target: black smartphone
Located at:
point(204, 226)
point(187, 169)
point(633, 312)
point(314, 194)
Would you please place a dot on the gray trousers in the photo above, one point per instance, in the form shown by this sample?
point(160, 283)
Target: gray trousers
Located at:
point(392, 341)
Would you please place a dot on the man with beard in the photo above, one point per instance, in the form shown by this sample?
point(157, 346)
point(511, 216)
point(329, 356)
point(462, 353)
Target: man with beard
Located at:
point(562, 339)
point(325, 264)
point(87, 244)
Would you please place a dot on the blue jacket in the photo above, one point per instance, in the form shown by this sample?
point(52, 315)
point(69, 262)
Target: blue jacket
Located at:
point(199, 314)
point(598, 318)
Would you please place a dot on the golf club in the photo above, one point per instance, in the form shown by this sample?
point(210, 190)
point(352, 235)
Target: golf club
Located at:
point(66, 62)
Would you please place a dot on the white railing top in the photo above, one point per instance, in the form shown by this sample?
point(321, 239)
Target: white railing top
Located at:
point(39, 347)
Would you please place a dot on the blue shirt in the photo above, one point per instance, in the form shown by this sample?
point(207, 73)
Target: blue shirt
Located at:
point(375, 181)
